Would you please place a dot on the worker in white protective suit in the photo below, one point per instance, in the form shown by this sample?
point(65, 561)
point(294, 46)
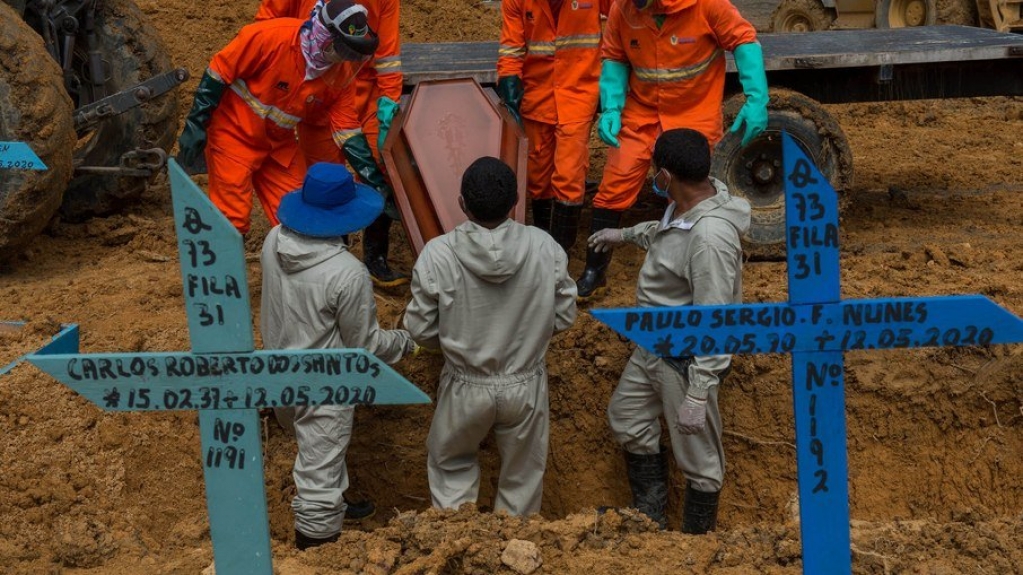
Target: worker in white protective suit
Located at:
point(317, 295)
point(693, 257)
point(490, 294)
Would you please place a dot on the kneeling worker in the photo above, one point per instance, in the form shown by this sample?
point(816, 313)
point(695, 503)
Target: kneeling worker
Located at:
point(490, 294)
point(317, 295)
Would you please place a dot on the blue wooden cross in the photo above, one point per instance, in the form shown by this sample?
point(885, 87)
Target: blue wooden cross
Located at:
point(816, 326)
point(225, 379)
point(19, 156)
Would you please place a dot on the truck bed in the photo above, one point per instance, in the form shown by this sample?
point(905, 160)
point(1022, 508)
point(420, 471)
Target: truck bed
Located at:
point(833, 66)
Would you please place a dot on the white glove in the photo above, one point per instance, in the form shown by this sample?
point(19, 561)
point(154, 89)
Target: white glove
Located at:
point(691, 417)
point(605, 239)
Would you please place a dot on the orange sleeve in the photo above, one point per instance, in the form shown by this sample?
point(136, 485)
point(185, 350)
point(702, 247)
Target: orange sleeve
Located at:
point(388, 54)
point(611, 41)
point(730, 28)
point(344, 115)
point(605, 7)
point(512, 50)
point(242, 57)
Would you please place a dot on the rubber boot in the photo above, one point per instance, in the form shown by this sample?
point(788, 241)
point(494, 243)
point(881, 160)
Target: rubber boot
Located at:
point(565, 224)
point(648, 478)
point(376, 240)
point(359, 510)
point(593, 280)
point(542, 214)
point(303, 541)
point(700, 511)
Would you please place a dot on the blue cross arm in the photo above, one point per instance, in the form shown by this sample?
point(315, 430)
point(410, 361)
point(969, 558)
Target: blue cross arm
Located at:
point(255, 380)
point(889, 323)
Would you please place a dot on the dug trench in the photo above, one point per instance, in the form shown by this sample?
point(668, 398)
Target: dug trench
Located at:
point(934, 435)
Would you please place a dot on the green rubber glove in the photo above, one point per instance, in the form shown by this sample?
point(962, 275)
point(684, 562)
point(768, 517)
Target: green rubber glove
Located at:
point(360, 158)
point(749, 61)
point(192, 141)
point(510, 90)
point(386, 109)
point(614, 82)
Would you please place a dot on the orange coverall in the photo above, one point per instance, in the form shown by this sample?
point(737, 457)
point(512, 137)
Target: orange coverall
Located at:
point(558, 60)
point(382, 78)
point(251, 135)
point(677, 80)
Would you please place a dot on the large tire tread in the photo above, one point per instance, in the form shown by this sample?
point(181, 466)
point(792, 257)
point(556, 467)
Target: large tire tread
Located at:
point(34, 108)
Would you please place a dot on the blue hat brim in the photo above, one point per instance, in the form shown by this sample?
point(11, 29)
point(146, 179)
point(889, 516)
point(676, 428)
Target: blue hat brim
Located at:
point(319, 222)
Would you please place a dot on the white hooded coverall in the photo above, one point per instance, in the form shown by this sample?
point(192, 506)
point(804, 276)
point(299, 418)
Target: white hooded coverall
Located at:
point(317, 295)
point(490, 300)
point(695, 259)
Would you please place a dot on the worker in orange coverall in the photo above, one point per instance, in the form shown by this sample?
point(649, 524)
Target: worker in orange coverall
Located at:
point(377, 90)
point(663, 68)
point(548, 67)
point(272, 77)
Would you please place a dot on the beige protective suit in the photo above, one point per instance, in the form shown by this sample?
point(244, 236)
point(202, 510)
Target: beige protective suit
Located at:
point(490, 300)
point(317, 295)
point(695, 259)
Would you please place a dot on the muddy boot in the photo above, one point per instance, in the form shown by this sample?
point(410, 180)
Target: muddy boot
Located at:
point(565, 224)
point(648, 478)
point(303, 541)
point(542, 214)
point(359, 510)
point(700, 511)
point(594, 280)
point(375, 243)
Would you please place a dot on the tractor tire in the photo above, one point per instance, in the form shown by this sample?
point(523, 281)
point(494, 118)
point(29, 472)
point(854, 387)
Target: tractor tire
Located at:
point(133, 52)
point(905, 13)
point(801, 16)
point(35, 109)
point(756, 172)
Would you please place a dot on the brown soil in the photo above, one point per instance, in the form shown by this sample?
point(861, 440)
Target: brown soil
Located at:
point(934, 436)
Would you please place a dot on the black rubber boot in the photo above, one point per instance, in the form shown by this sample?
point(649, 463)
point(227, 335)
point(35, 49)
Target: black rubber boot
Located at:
point(303, 541)
point(565, 224)
point(375, 244)
point(542, 214)
point(593, 280)
point(648, 478)
point(700, 511)
point(359, 510)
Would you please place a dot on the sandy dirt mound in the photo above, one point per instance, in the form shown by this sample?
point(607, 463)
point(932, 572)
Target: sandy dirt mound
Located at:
point(934, 436)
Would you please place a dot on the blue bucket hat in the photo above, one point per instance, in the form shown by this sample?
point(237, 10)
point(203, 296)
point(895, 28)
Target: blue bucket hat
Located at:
point(330, 203)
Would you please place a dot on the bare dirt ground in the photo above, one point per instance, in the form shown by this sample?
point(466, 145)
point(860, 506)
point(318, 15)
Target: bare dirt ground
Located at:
point(934, 436)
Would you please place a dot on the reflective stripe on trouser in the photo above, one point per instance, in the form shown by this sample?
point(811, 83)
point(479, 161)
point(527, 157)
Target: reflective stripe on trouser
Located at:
point(320, 472)
point(627, 165)
point(232, 182)
point(559, 155)
point(648, 388)
point(516, 407)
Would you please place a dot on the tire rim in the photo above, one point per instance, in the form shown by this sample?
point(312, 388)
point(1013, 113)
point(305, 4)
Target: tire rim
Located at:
point(907, 13)
point(797, 22)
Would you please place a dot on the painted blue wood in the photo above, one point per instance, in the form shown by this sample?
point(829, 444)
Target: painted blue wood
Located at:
point(19, 156)
point(815, 326)
point(259, 379)
point(212, 257)
point(223, 378)
point(64, 341)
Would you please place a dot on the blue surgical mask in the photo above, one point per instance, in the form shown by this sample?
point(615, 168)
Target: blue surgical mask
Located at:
point(661, 187)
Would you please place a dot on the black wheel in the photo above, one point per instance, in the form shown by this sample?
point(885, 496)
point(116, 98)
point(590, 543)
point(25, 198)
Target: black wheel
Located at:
point(801, 16)
point(132, 53)
point(35, 109)
point(905, 13)
point(755, 171)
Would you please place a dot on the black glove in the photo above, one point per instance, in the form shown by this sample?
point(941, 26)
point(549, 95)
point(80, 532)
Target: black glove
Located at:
point(192, 142)
point(509, 89)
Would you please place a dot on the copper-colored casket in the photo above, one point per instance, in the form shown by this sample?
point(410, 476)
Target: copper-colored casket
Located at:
point(444, 126)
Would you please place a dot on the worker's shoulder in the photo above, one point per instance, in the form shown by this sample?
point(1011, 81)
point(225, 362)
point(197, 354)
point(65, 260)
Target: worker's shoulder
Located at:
point(273, 26)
